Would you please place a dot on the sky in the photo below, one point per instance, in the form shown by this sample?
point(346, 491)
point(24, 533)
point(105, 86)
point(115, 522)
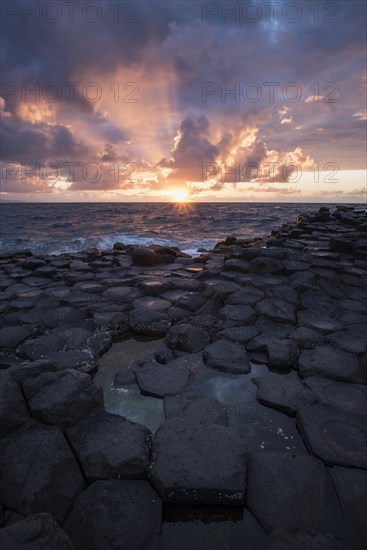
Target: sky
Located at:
point(183, 100)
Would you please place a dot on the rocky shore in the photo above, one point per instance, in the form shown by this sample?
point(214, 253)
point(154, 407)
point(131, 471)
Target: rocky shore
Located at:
point(275, 326)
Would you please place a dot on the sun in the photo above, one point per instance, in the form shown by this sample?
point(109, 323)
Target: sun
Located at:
point(178, 195)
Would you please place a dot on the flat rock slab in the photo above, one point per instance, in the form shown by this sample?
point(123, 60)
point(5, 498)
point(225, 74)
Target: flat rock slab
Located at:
point(317, 320)
point(161, 380)
point(13, 410)
point(148, 322)
point(196, 407)
point(197, 463)
point(283, 392)
point(330, 363)
point(279, 492)
point(342, 395)
point(110, 446)
point(238, 313)
point(245, 296)
point(11, 337)
point(71, 359)
point(115, 514)
point(26, 371)
point(188, 338)
point(296, 539)
point(36, 532)
point(227, 356)
point(334, 435)
point(122, 294)
point(38, 471)
point(277, 310)
point(281, 352)
point(42, 347)
point(62, 398)
point(351, 488)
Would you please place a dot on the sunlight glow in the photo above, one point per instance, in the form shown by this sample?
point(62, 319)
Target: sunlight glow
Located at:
point(178, 195)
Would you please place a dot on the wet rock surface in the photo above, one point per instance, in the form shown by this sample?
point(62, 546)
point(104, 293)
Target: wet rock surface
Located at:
point(279, 492)
point(38, 471)
point(38, 531)
point(115, 514)
point(283, 539)
point(110, 446)
point(193, 462)
point(255, 348)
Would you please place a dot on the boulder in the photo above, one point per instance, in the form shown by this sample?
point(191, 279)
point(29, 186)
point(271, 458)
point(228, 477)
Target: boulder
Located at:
point(349, 397)
point(161, 380)
point(279, 492)
point(351, 487)
point(186, 337)
point(36, 532)
point(148, 322)
point(38, 471)
point(13, 410)
point(227, 357)
point(62, 398)
point(266, 266)
point(332, 363)
point(197, 463)
point(11, 337)
point(115, 514)
point(26, 371)
point(277, 310)
point(238, 313)
point(122, 294)
point(283, 392)
point(336, 436)
point(110, 446)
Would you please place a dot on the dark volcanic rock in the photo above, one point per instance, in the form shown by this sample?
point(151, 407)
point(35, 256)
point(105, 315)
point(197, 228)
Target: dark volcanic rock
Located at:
point(296, 539)
point(71, 359)
point(265, 266)
point(277, 310)
point(122, 294)
point(160, 380)
point(195, 463)
point(281, 352)
point(283, 392)
point(13, 410)
point(148, 323)
point(238, 313)
point(108, 445)
point(349, 397)
point(279, 492)
point(62, 398)
point(227, 357)
point(42, 347)
point(11, 337)
point(38, 471)
point(36, 532)
point(196, 407)
point(26, 371)
point(351, 488)
point(330, 363)
point(334, 435)
point(187, 338)
point(114, 515)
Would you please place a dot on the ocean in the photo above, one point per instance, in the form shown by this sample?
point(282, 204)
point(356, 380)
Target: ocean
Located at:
point(51, 228)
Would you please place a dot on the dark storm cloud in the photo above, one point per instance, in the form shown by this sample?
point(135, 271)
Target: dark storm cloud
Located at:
point(43, 51)
point(38, 142)
point(191, 149)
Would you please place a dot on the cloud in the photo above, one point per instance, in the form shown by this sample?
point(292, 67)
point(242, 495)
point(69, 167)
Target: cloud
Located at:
point(191, 149)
